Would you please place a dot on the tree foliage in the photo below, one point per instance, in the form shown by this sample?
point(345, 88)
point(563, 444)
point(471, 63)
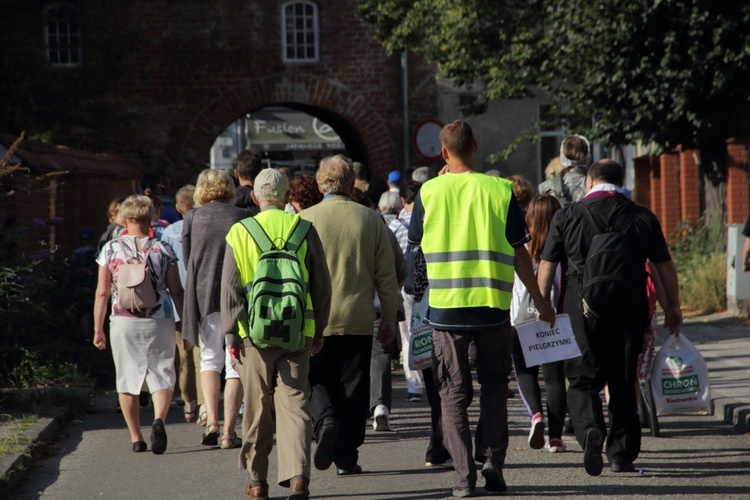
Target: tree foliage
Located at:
point(486, 44)
point(667, 72)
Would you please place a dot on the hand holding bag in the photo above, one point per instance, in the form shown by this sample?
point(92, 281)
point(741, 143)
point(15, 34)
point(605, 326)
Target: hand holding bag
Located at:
point(680, 378)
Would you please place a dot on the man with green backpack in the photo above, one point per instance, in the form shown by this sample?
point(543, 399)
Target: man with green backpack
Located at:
point(275, 301)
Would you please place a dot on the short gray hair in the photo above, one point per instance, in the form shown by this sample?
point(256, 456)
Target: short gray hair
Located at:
point(422, 174)
point(335, 175)
point(389, 203)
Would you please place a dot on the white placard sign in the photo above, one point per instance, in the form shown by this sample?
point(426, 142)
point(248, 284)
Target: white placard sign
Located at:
point(542, 344)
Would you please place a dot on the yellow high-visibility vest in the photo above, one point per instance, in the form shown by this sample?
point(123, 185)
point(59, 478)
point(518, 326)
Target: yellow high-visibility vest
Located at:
point(278, 225)
point(470, 262)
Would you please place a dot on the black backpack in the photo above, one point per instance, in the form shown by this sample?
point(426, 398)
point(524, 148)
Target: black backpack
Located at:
point(609, 281)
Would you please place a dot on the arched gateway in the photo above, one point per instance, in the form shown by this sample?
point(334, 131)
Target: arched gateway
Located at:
point(361, 127)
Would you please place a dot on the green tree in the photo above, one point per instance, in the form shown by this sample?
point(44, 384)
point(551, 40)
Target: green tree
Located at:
point(490, 45)
point(666, 72)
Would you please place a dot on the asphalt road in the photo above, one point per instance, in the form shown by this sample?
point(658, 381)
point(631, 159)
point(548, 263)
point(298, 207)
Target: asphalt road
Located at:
point(697, 456)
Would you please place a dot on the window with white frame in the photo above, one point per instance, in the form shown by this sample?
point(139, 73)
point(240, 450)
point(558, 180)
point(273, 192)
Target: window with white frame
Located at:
point(62, 35)
point(300, 32)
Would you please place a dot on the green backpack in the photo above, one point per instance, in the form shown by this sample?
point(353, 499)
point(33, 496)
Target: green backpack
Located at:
point(278, 295)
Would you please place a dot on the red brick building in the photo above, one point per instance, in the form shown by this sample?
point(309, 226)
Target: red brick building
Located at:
point(669, 184)
point(156, 81)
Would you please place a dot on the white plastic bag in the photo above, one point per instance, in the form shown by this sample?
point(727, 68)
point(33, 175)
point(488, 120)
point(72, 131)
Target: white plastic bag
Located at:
point(420, 354)
point(680, 378)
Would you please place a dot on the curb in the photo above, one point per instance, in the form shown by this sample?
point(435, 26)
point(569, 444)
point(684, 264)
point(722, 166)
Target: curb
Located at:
point(13, 467)
point(731, 411)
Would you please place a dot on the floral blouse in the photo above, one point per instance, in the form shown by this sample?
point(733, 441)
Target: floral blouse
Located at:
point(162, 257)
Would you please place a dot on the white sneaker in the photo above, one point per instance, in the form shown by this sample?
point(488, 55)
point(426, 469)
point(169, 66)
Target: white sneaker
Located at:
point(381, 418)
point(536, 434)
point(555, 445)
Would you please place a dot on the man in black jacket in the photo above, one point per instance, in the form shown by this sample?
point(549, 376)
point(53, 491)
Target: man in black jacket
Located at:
point(609, 345)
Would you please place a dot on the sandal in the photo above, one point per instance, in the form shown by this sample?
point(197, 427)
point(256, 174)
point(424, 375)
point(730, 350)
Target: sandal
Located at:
point(211, 437)
point(229, 442)
point(202, 417)
point(190, 414)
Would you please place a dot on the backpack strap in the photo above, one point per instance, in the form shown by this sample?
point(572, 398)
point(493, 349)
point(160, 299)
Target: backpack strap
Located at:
point(628, 222)
point(590, 218)
point(558, 189)
point(258, 234)
point(298, 235)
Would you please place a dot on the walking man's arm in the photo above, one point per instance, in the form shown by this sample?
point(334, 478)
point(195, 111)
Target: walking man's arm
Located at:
point(525, 271)
point(668, 276)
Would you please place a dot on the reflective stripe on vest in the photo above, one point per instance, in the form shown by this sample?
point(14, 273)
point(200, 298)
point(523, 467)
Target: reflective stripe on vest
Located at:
point(247, 254)
point(470, 263)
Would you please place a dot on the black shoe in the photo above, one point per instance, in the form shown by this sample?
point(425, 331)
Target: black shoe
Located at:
point(592, 452)
point(349, 471)
point(494, 477)
point(326, 447)
point(158, 437)
point(464, 492)
point(568, 427)
point(621, 467)
point(139, 447)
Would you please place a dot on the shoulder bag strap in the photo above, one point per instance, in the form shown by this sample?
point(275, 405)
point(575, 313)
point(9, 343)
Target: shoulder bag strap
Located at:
point(257, 234)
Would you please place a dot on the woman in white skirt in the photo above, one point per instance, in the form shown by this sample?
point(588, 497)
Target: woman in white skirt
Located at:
point(142, 341)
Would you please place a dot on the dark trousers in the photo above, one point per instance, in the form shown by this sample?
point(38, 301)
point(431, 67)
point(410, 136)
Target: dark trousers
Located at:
point(381, 379)
point(340, 392)
point(451, 363)
point(436, 451)
point(528, 386)
point(609, 355)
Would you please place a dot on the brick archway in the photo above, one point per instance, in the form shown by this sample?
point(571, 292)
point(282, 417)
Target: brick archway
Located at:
point(231, 103)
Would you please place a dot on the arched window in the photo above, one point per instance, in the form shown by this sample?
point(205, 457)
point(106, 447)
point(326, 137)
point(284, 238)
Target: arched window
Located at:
point(62, 35)
point(300, 32)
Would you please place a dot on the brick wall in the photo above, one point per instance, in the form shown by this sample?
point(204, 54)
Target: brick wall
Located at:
point(690, 196)
point(177, 74)
point(670, 214)
point(737, 188)
point(669, 185)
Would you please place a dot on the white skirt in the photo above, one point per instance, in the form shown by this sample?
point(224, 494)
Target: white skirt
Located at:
point(143, 349)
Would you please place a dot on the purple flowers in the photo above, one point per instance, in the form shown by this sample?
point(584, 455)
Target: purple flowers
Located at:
point(39, 257)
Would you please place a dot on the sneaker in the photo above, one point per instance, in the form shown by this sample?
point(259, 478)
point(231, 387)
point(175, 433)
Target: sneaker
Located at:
point(536, 434)
point(381, 419)
point(448, 464)
point(414, 398)
point(555, 445)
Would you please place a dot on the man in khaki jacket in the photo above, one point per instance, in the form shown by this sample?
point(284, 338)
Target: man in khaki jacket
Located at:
point(361, 262)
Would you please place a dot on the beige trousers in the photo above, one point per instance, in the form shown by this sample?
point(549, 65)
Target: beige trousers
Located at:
point(293, 422)
point(188, 367)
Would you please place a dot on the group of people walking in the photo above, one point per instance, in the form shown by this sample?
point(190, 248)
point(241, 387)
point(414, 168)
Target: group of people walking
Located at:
point(296, 297)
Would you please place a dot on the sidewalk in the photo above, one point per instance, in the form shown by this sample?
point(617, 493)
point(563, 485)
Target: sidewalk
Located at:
point(723, 340)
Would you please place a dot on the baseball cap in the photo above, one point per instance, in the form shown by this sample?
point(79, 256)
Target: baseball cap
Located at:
point(271, 182)
point(394, 177)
